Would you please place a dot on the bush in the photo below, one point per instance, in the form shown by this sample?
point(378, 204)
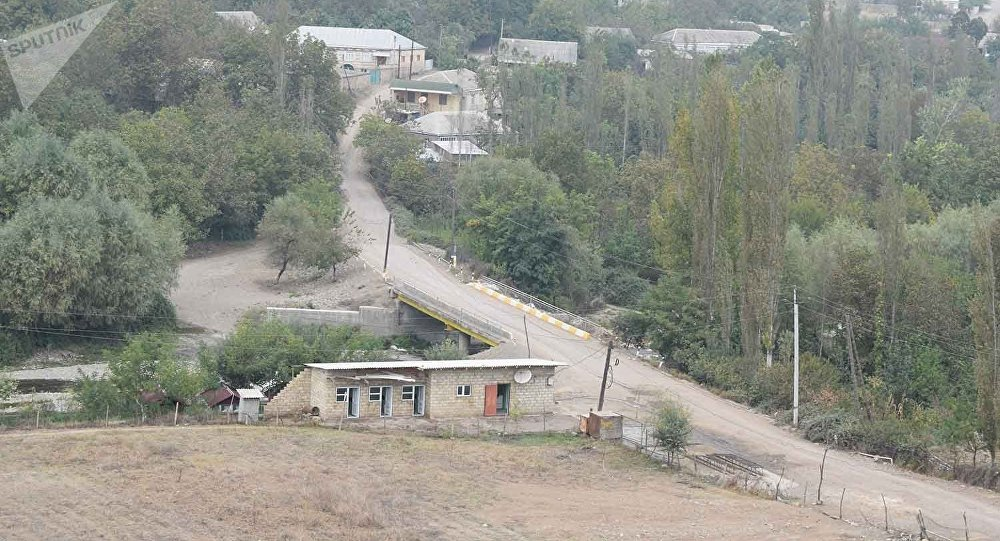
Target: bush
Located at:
point(445, 351)
point(14, 347)
point(673, 428)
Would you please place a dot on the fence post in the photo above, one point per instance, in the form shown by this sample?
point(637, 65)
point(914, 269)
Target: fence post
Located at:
point(177, 410)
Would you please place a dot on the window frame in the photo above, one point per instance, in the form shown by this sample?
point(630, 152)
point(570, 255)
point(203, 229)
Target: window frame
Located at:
point(443, 99)
point(408, 390)
point(378, 390)
point(459, 393)
point(342, 390)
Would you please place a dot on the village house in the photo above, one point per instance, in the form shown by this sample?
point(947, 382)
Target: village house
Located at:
point(533, 51)
point(430, 389)
point(368, 50)
point(701, 41)
point(414, 97)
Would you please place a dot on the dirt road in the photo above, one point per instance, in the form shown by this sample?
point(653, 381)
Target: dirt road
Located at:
point(722, 426)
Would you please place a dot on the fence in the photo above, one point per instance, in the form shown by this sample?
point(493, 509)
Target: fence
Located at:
point(566, 316)
point(739, 473)
point(471, 321)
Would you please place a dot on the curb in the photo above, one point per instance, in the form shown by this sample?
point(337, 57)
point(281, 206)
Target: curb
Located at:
point(532, 310)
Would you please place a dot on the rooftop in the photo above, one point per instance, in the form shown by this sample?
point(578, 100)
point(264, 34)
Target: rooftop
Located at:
point(533, 51)
point(460, 148)
point(592, 31)
point(425, 86)
point(468, 80)
point(450, 123)
point(438, 365)
point(249, 393)
point(684, 36)
point(359, 38)
point(248, 19)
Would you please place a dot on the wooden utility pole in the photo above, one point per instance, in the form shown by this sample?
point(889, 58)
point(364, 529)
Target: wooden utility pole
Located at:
point(388, 235)
point(795, 372)
point(852, 361)
point(604, 380)
point(527, 339)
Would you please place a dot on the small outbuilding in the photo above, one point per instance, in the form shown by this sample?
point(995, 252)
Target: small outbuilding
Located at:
point(433, 389)
point(251, 405)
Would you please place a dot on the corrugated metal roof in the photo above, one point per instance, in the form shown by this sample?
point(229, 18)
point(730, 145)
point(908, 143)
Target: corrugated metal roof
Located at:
point(359, 38)
point(424, 86)
point(460, 148)
point(438, 365)
point(248, 19)
point(686, 36)
point(249, 393)
point(533, 51)
point(592, 31)
point(451, 123)
point(468, 80)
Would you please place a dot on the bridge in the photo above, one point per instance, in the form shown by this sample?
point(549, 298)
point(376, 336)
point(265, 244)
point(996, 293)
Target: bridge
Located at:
point(467, 324)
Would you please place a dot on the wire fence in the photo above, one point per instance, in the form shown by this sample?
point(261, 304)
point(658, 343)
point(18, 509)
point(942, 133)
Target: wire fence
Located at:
point(841, 503)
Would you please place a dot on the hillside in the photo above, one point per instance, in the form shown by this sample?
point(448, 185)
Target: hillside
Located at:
point(300, 483)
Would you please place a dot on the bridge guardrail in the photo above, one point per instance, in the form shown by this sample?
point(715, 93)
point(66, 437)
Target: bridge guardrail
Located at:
point(479, 324)
point(566, 316)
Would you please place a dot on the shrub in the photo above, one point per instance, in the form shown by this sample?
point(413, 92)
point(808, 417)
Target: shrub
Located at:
point(673, 428)
point(445, 351)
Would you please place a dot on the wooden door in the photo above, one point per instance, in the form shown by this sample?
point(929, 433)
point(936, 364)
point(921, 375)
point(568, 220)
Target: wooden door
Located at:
point(491, 400)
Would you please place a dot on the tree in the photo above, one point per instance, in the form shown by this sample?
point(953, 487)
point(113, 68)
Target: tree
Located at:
point(767, 139)
point(555, 20)
point(300, 234)
point(977, 29)
point(38, 165)
point(112, 166)
point(149, 365)
point(985, 307)
point(7, 388)
point(88, 263)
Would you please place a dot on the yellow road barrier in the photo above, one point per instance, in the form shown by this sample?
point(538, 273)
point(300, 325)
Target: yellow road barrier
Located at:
point(533, 311)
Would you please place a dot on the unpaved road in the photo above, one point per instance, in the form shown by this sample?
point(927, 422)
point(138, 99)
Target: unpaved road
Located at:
point(722, 425)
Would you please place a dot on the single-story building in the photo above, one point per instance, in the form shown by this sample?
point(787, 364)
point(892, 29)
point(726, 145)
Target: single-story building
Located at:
point(473, 95)
point(432, 389)
point(453, 150)
point(369, 49)
point(251, 405)
point(534, 51)
point(423, 97)
point(704, 41)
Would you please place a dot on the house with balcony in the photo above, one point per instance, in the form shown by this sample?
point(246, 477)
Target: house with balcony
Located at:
point(416, 97)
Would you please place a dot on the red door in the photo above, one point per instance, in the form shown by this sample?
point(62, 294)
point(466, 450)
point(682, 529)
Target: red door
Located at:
point(491, 400)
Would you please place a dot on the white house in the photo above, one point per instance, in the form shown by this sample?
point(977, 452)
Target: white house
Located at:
point(370, 49)
point(704, 41)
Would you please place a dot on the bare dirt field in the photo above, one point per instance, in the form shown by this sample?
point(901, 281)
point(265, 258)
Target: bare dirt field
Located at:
point(214, 290)
point(313, 483)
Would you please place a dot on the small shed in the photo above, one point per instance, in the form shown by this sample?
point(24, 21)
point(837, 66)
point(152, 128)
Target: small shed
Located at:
point(455, 151)
point(250, 405)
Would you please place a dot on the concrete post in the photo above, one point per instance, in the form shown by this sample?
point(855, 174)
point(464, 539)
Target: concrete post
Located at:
point(463, 343)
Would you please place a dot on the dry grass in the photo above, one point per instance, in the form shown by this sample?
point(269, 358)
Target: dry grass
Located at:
point(311, 483)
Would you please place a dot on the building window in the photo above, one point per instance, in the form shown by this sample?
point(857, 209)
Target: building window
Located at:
point(464, 390)
point(411, 97)
point(374, 394)
point(341, 394)
point(407, 392)
point(443, 99)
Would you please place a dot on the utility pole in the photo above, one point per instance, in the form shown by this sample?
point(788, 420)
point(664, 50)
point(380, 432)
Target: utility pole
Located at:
point(411, 59)
point(388, 235)
point(795, 373)
point(527, 339)
point(454, 205)
point(604, 380)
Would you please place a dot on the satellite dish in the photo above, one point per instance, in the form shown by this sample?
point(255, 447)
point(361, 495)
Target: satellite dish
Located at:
point(422, 99)
point(522, 376)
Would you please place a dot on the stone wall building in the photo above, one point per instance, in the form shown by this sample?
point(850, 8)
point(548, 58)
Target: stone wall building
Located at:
point(432, 389)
